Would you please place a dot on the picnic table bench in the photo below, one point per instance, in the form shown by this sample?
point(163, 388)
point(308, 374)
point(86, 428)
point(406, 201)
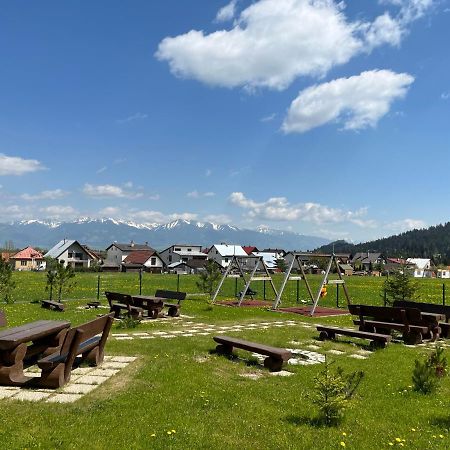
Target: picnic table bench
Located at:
point(377, 340)
point(275, 356)
point(3, 322)
point(173, 308)
point(87, 340)
point(432, 308)
point(49, 304)
point(155, 304)
point(119, 302)
point(383, 319)
point(46, 336)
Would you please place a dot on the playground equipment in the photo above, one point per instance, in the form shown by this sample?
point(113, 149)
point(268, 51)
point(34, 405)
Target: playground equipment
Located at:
point(234, 270)
point(297, 260)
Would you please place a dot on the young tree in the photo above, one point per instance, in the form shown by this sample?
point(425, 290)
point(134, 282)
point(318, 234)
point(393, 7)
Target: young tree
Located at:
point(401, 286)
point(209, 278)
point(59, 277)
point(281, 264)
point(7, 284)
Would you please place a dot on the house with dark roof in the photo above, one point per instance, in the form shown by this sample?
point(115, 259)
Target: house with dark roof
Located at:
point(70, 253)
point(182, 253)
point(116, 254)
point(27, 259)
point(366, 260)
point(146, 260)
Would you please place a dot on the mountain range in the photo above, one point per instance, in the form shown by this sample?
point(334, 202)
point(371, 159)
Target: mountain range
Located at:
point(100, 233)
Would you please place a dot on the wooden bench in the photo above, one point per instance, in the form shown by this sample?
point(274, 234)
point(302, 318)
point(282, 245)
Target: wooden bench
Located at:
point(173, 308)
point(3, 322)
point(275, 356)
point(49, 304)
point(377, 340)
point(87, 340)
point(383, 319)
point(429, 308)
point(119, 302)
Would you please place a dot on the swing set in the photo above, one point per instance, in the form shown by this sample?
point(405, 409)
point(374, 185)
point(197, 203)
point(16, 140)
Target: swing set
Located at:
point(235, 270)
point(297, 263)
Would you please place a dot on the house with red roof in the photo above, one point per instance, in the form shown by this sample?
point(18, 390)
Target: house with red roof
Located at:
point(27, 259)
point(146, 260)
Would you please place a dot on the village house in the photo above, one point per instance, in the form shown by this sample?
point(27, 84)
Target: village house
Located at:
point(366, 261)
point(146, 260)
point(182, 253)
point(423, 267)
point(27, 259)
point(443, 273)
point(223, 254)
point(193, 266)
point(116, 254)
point(70, 253)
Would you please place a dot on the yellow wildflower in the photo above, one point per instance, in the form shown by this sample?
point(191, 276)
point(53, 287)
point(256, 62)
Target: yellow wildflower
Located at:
point(342, 444)
point(344, 433)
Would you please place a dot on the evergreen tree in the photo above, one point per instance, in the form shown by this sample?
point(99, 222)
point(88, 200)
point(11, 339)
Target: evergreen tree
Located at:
point(7, 284)
point(401, 286)
point(209, 278)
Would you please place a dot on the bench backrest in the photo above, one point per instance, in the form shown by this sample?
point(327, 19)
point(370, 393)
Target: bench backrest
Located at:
point(424, 307)
point(172, 295)
point(387, 313)
point(118, 297)
point(3, 322)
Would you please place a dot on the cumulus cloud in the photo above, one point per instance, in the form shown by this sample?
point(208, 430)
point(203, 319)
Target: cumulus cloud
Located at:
point(196, 194)
point(273, 42)
point(109, 190)
point(406, 224)
point(357, 102)
point(227, 12)
point(14, 165)
point(45, 195)
point(58, 212)
point(279, 209)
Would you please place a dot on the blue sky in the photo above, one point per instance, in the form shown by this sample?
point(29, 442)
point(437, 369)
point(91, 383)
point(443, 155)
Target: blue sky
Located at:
point(307, 115)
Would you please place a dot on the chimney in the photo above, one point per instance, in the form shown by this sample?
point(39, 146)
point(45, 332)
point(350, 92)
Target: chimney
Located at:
point(132, 244)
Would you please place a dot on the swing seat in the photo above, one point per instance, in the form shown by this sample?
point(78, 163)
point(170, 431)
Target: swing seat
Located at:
point(249, 293)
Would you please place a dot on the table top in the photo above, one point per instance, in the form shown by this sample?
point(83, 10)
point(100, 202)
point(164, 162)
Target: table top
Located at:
point(149, 298)
point(435, 316)
point(12, 337)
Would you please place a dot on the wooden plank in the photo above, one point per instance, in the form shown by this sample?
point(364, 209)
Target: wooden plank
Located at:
point(260, 279)
point(295, 278)
point(336, 282)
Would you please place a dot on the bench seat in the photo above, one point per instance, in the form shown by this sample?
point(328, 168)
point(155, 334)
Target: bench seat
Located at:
point(49, 304)
point(275, 356)
point(376, 339)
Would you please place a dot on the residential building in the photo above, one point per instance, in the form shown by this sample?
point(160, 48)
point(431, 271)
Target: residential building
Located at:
point(182, 253)
point(146, 260)
point(116, 254)
point(27, 259)
point(193, 266)
point(70, 253)
point(423, 267)
point(249, 249)
point(443, 273)
point(346, 269)
point(366, 261)
point(223, 254)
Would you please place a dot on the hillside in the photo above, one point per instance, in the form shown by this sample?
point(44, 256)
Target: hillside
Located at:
point(433, 242)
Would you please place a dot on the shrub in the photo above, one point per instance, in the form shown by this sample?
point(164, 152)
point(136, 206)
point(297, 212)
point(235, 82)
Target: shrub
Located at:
point(428, 371)
point(128, 322)
point(332, 392)
point(7, 284)
point(401, 286)
point(209, 278)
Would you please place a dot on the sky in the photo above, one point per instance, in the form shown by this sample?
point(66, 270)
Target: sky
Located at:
point(322, 117)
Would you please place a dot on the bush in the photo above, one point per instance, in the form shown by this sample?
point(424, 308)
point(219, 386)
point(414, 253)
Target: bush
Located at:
point(401, 286)
point(7, 285)
point(428, 371)
point(128, 322)
point(332, 392)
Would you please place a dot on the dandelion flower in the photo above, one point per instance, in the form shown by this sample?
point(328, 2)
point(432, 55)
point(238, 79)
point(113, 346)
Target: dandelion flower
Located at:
point(342, 444)
point(173, 431)
point(398, 439)
point(344, 433)
point(413, 429)
point(441, 436)
point(391, 444)
point(153, 435)
point(169, 432)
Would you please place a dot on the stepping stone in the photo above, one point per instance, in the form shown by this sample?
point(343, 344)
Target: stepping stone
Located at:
point(363, 352)
point(147, 337)
point(64, 398)
point(313, 347)
point(210, 329)
point(204, 334)
point(101, 372)
point(160, 333)
point(140, 334)
point(177, 332)
point(335, 352)
point(127, 359)
point(357, 356)
point(124, 338)
point(119, 334)
point(81, 370)
point(7, 393)
point(89, 379)
point(114, 365)
point(73, 388)
point(168, 336)
point(31, 396)
point(187, 334)
point(281, 373)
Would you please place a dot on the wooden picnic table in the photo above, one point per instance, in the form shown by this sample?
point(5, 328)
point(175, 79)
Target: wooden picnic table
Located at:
point(46, 337)
point(153, 305)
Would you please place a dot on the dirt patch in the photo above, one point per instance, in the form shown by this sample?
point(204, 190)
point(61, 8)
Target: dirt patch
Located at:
point(250, 303)
point(320, 311)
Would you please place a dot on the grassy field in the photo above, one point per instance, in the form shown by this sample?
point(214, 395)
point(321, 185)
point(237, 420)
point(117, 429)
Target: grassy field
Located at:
point(177, 384)
point(367, 290)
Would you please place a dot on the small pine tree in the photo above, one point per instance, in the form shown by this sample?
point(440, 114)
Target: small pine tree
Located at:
point(281, 264)
point(401, 286)
point(209, 278)
point(59, 277)
point(7, 284)
point(332, 392)
point(427, 372)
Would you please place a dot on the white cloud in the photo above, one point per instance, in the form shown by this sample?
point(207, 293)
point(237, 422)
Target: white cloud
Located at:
point(59, 212)
point(154, 197)
point(218, 218)
point(110, 211)
point(279, 209)
point(45, 195)
point(196, 194)
point(132, 118)
point(108, 190)
point(102, 169)
point(14, 165)
point(183, 216)
point(400, 226)
point(227, 12)
point(273, 42)
point(268, 118)
point(358, 102)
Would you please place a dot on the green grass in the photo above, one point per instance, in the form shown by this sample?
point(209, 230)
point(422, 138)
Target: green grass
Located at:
point(177, 384)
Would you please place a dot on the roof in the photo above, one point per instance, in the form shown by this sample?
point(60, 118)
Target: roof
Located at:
point(27, 253)
point(60, 248)
point(139, 257)
point(269, 258)
point(91, 253)
point(131, 247)
point(229, 250)
point(421, 263)
point(249, 249)
point(274, 250)
point(345, 266)
point(366, 257)
point(191, 254)
point(400, 261)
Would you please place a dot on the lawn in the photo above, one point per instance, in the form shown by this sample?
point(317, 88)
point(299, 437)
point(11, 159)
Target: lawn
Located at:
point(179, 395)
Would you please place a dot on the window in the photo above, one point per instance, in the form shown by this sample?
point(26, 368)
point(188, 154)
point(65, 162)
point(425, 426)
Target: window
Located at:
point(153, 261)
point(177, 249)
point(226, 260)
point(189, 249)
point(23, 263)
point(170, 258)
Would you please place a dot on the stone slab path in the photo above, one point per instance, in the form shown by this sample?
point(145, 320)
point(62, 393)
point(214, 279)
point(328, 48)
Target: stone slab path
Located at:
point(82, 381)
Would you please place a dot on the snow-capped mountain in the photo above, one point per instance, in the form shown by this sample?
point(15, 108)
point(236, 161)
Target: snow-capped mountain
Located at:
point(100, 233)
